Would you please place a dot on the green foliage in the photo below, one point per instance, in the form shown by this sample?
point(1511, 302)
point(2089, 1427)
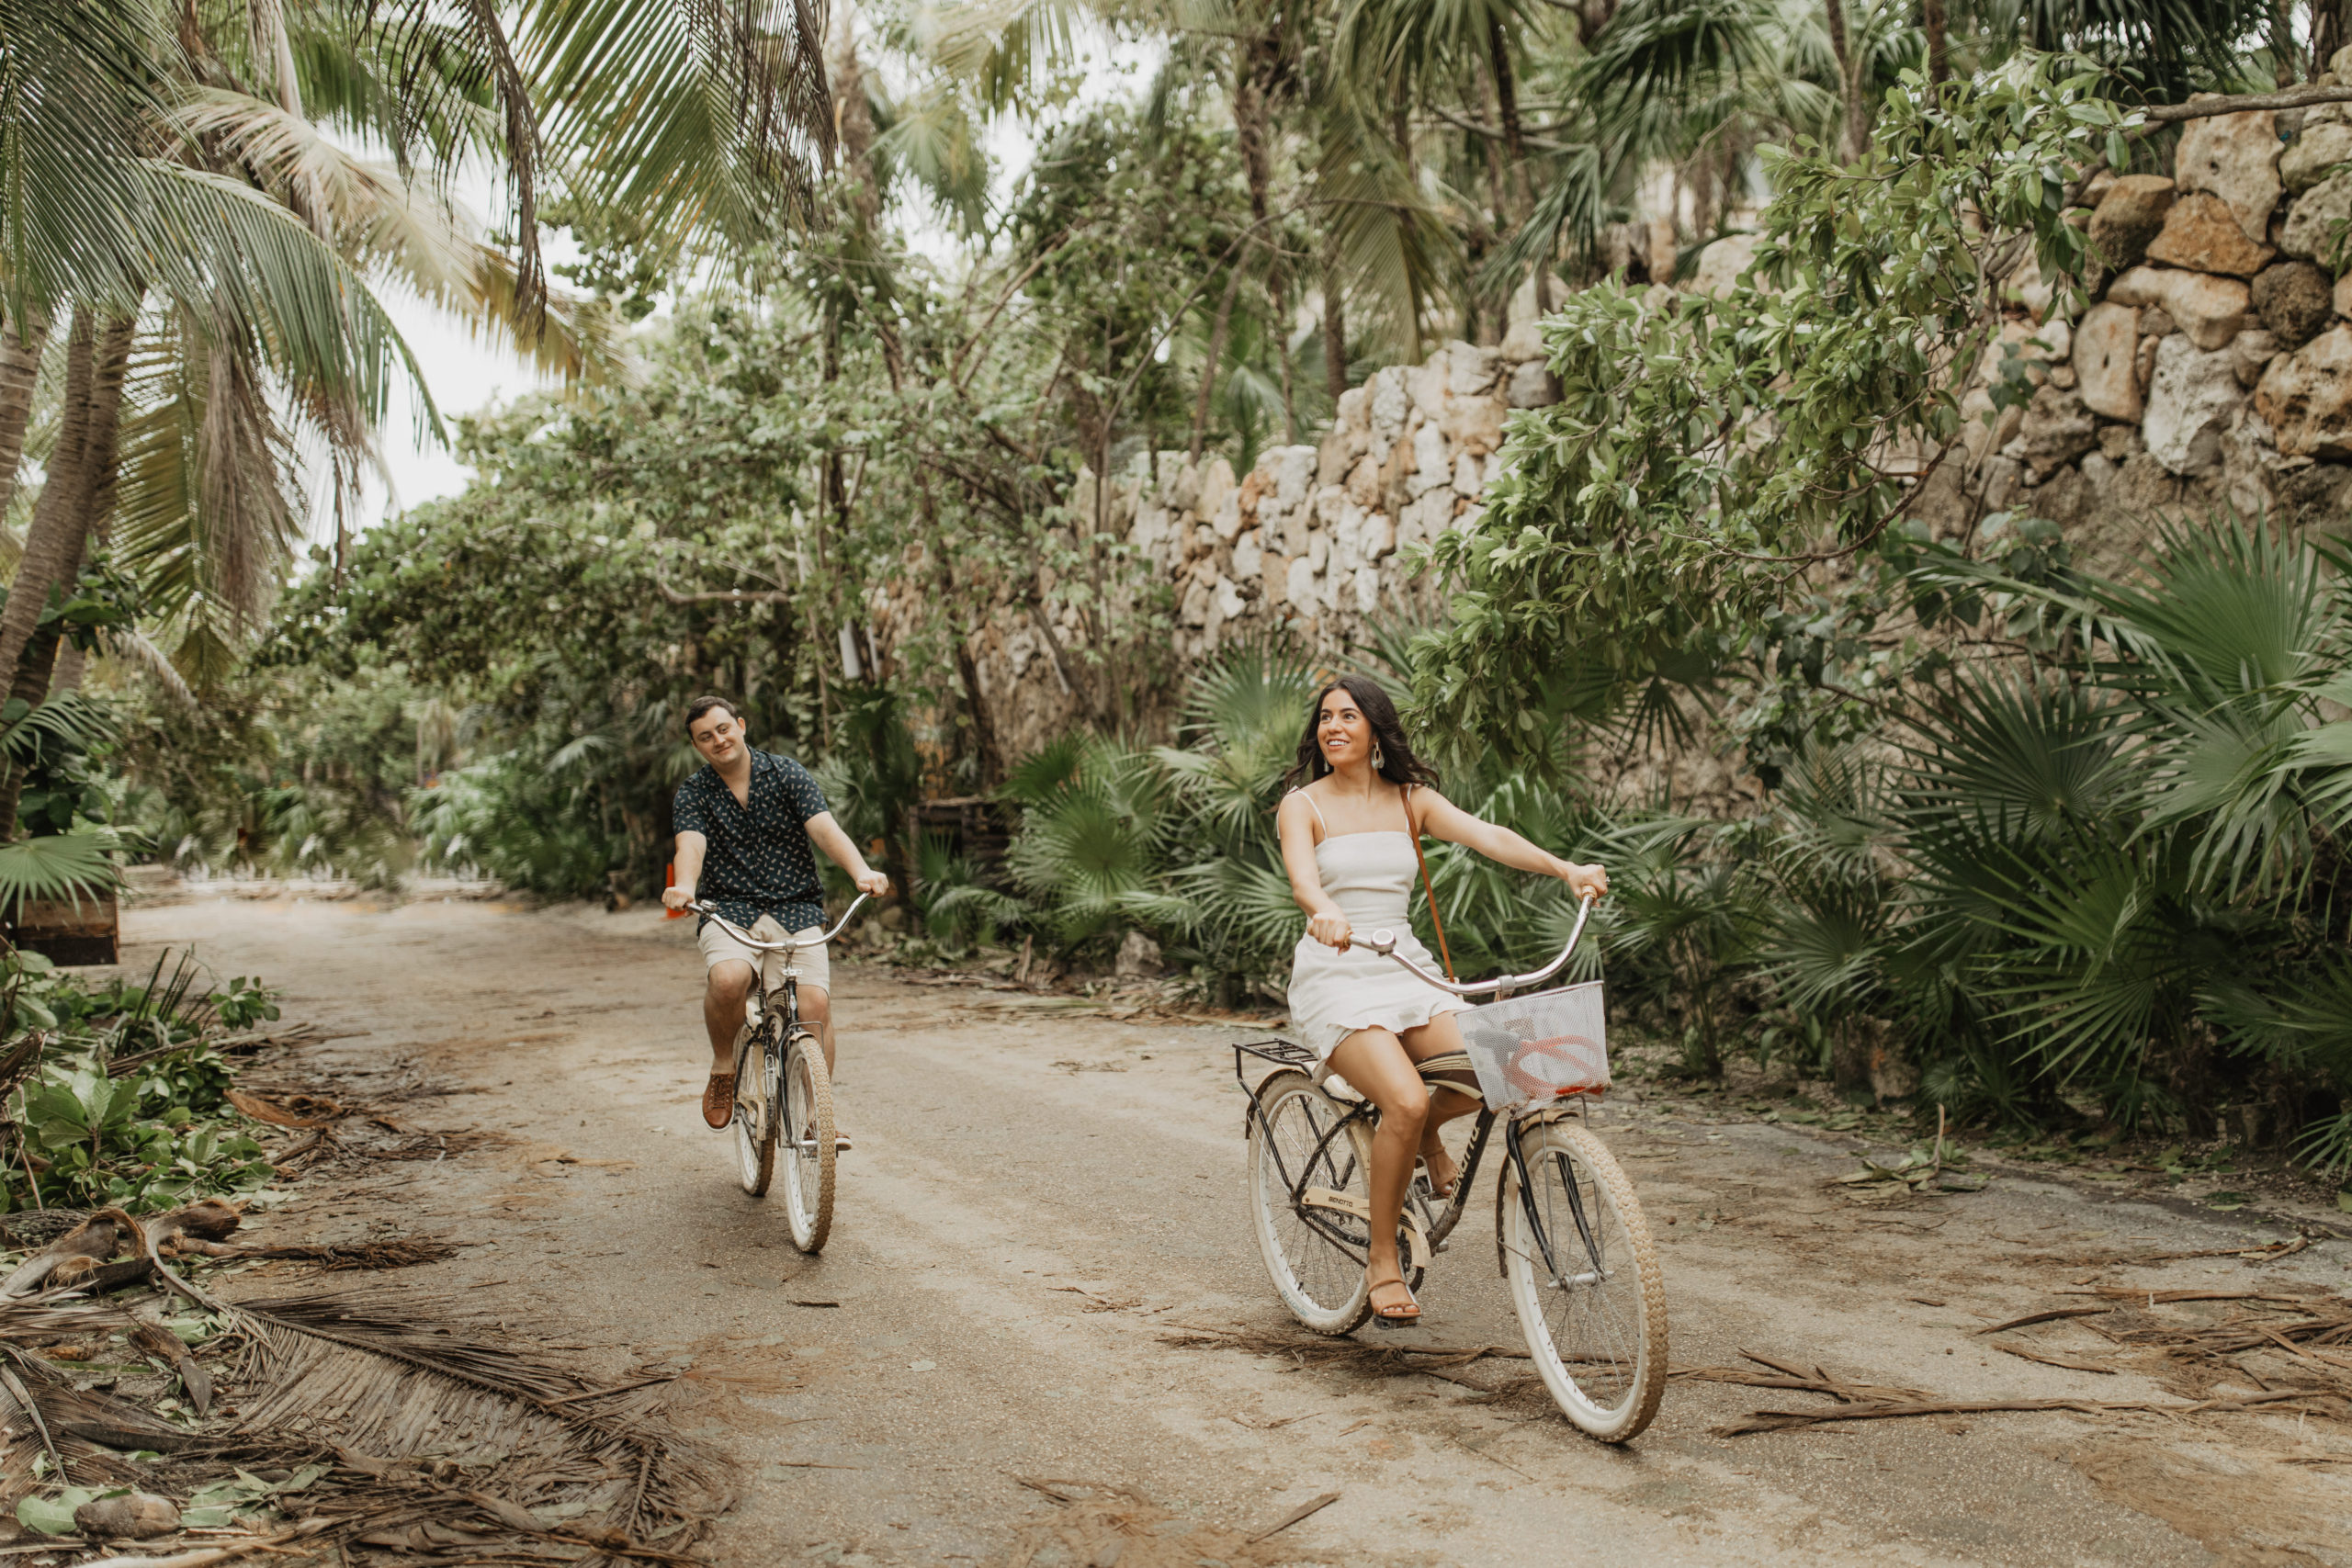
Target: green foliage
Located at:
point(90, 1134)
point(1643, 526)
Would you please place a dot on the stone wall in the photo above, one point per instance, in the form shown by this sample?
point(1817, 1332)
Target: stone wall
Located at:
point(1306, 540)
point(2214, 368)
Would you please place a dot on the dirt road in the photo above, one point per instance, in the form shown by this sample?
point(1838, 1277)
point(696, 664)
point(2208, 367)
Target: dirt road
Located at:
point(1043, 1222)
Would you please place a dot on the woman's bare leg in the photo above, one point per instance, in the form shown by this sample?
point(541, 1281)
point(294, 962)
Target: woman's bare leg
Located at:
point(1435, 1038)
point(1376, 1065)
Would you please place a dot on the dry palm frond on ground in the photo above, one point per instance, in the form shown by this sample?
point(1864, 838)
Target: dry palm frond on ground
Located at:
point(381, 1425)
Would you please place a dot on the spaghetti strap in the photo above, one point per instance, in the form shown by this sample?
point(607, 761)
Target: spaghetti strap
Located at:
point(1315, 809)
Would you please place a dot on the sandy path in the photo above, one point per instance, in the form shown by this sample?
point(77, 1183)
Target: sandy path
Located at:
point(1041, 1196)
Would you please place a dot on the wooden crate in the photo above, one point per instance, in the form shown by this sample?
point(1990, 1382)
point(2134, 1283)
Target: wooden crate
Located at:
point(70, 932)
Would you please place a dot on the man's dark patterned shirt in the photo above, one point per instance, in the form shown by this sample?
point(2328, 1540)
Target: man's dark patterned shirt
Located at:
point(760, 861)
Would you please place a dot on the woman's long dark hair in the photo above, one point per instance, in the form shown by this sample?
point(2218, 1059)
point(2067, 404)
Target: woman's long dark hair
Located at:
point(1398, 766)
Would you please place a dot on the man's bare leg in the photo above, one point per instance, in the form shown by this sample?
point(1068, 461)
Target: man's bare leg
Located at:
point(728, 988)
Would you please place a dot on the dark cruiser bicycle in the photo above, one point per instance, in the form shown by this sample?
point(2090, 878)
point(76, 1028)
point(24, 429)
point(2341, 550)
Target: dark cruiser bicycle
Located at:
point(1570, 1238)
point(784, 1094)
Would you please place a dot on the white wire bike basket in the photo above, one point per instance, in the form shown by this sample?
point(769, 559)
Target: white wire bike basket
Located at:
point(1530, 1051)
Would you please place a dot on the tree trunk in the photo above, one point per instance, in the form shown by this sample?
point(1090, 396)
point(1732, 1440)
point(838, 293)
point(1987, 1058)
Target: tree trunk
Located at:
point(1217, 331)
point(1507, 111)
point(47, 547)
point(1939, 41)
point(1335, 321)
point(19, 368)
point(92, 504)
point(73, 502)
point(1854, 138)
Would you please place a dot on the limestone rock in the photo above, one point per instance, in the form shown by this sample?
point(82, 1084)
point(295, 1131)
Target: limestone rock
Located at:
point(1389, 403)
point(2104, 345)
point(1226, 602)
point(1367, 589)
point(2294, 300)
point(1293, 472)
point(1469, 478)
point(1531, 387)
point(1721, 264)
point(1524, 307)
point(2235, 157)
point(2025, 286)
point(1298, 586)
point(2190, 402)
point(1138, 956)
point(2317, 218)
point(2201, 235)
point(2251, 353)
point(1522, 343)
point(1363, 481)
point(1216, 489)
point(1474, 425)
point(1249, 556)
point(2129, 216)
point(2057, 429)
point(1471, 369)
point(2309, 157)
point(2209, 310)
point(2306, 398)
point(1430, 384)
point(2342, 295)
point(1353, 411)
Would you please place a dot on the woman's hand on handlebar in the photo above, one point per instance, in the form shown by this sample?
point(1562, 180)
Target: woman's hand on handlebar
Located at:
point(1330, 927)
point(1585, 881)
point(873, 883)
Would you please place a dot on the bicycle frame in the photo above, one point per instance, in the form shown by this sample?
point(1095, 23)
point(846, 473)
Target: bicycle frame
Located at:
point(1284, 1053)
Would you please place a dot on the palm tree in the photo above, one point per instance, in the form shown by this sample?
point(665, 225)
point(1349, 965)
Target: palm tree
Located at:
point(181, 182)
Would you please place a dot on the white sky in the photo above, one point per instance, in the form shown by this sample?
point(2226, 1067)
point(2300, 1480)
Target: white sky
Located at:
point(465, 376)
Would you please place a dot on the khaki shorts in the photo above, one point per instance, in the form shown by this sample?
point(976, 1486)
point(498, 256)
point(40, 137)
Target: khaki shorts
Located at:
point(719, 945)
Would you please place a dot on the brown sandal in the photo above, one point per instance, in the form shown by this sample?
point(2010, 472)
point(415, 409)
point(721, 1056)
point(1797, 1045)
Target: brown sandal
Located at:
point(1401, 1315)
point(718, 1101)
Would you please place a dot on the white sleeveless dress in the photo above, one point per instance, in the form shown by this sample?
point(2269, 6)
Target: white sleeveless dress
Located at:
point(1334, 994)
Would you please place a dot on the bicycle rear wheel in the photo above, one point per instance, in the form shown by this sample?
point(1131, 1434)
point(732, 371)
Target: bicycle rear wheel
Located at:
point(807, 1102)
point(1595, 1313)
point(1310, 1195)
point(755, 1122)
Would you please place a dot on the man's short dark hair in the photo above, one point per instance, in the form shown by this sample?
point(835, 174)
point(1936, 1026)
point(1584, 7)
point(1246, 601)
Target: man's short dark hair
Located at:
point(701, 705)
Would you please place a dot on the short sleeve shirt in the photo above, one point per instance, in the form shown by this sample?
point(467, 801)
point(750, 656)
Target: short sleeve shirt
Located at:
point(760, 861)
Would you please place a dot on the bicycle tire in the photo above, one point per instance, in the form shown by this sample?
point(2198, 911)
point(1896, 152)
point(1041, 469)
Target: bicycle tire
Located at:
point(1599, 1337)
point(808, 1127)
point(754, 1127)
point(1314, 1257)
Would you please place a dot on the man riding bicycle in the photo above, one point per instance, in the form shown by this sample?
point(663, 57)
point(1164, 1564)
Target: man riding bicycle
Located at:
point(746, 823)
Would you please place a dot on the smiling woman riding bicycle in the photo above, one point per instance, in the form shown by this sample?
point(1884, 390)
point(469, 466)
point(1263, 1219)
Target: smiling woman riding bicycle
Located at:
point(1351, 832)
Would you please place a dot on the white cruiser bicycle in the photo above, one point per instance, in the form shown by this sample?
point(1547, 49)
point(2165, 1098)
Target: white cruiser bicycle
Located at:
point(784, 1094)
point(1570, 1238)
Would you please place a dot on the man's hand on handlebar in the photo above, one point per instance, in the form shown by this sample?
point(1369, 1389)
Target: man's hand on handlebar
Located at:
point(1330, 929)
point(873, 883)
point(677, 897)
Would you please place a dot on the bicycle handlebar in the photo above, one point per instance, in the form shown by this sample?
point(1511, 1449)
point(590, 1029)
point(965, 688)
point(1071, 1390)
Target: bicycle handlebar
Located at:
point(1383, 942)
point(705, 906)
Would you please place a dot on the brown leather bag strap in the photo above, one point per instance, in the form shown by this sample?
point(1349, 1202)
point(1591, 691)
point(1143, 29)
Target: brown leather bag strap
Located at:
point(1413, 832)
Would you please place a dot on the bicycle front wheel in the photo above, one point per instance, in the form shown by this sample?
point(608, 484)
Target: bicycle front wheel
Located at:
point(1583, 1279)
point(755, 1122)
point(808, 1143)
point(1310, 1201)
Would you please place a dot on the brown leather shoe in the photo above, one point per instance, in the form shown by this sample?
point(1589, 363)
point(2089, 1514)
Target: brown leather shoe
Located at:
point(718, 1101)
